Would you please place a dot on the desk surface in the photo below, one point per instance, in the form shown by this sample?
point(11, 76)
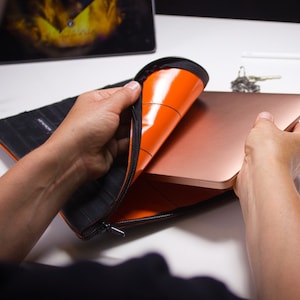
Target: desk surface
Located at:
point(209, 242)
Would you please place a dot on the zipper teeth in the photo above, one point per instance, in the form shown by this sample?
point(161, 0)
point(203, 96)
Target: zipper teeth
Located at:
point(143, 220)
point(134, 159)
point(93, 230)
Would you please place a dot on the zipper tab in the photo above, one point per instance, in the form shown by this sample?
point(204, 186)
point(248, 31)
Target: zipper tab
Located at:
point(113, 229)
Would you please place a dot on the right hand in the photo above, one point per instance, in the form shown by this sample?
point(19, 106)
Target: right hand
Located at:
point(88, 133)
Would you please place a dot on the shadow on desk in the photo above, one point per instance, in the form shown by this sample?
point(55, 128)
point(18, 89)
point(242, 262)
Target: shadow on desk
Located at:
point(197, 220)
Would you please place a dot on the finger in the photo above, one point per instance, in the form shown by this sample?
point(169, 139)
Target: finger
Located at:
point(265, 115)
point(121, 98)
point(123, 145)
point(128, 94)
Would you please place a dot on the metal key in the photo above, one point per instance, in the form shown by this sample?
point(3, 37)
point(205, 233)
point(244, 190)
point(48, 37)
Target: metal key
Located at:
point(263, 78)
point(247, 84)
point(242, 83)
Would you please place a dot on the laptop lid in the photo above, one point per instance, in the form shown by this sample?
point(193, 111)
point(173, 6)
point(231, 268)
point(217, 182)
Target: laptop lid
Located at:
point(207, 147)
point(35, 30)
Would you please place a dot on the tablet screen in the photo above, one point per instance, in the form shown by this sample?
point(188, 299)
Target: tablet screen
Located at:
point(34, 30)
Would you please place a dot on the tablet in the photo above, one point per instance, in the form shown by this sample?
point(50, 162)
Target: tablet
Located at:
point(38, 30)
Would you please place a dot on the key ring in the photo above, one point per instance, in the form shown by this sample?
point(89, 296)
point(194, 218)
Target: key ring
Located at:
point(244, 84)
point(247, 84)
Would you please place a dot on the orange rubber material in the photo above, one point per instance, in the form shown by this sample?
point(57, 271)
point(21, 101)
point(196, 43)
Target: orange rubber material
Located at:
point(166, 96)
point(7, 151)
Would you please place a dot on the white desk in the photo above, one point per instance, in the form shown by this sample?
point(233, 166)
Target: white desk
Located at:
point(210, 242)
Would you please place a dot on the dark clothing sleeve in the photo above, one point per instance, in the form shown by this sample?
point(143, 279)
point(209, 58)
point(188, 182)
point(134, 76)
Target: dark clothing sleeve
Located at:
point(147, 277)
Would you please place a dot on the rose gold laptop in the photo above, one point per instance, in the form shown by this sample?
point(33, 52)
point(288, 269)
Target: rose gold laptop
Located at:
point(207, 147)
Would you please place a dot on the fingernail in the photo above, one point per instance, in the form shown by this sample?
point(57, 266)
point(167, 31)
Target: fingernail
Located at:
point(133, 85)
point(266, 115)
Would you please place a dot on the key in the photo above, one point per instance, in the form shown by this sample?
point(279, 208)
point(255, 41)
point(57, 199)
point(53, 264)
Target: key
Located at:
point(244, 83)
point(263, 78)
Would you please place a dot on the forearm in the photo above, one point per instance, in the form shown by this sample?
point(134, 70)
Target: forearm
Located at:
point(272, 217)
point(32, 193)
point(82, 148)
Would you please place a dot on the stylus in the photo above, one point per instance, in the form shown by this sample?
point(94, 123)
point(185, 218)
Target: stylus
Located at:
point(271, 55)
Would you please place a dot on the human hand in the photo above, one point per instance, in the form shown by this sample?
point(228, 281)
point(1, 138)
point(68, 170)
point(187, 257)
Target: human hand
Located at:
point(90, 135)
point(268, 152)
point(270, 205)
point(83, 147)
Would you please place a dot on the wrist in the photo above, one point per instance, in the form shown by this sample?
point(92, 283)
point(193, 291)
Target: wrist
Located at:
point(62, 163)
point(260, 179)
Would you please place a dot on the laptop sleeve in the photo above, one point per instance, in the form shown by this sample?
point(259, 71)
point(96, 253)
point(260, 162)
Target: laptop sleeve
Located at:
point(170, 86)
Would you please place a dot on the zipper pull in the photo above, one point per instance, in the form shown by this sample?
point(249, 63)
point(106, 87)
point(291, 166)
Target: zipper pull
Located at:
point(113, 229)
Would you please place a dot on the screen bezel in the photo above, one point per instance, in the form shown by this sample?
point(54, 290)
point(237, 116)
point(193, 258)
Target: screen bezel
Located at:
point(135, 35)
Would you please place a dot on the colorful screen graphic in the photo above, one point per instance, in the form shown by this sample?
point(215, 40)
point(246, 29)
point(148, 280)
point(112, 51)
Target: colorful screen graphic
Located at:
point(55, 29)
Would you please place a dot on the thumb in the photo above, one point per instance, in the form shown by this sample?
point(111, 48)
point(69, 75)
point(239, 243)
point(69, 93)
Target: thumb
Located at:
point(127, 95)
point(264, 115)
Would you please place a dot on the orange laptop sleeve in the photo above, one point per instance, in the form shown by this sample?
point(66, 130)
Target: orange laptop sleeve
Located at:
point(170, 86)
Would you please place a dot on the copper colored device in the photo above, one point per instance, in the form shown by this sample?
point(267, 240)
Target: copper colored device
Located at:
point(207, 148)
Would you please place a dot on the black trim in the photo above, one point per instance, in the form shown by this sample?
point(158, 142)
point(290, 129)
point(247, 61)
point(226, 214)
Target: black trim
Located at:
point(173, 62)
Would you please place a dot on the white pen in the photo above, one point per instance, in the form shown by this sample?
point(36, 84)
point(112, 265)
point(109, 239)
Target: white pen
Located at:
point(271, 55)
